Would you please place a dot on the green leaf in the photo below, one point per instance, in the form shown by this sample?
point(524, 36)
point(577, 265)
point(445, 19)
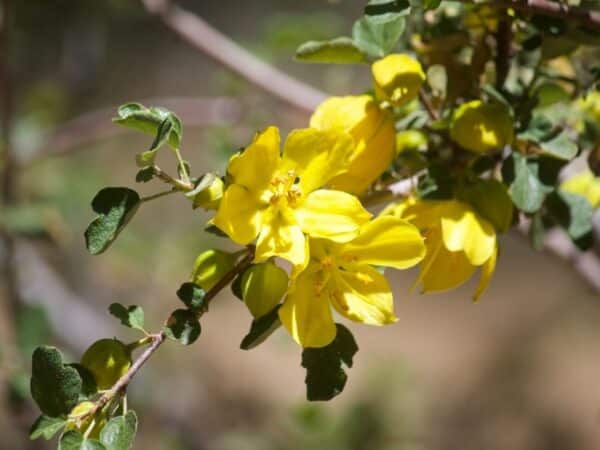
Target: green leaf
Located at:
point(537, 232)
point(183, 326)
point(119, 432)
point(340, 50)
point(378, 35)
point(214, 230)
point(149, 120)
point(54, 386)
point(131, 316)
point(261, 329)
point(325, 375)
point(538, 129)
point(236, 287)
point(115, 207)
point(492, 201)
point(46, 427)
point(88, 382)
point(144, 175)
point(74, 440)
point(191, 295)
point(436, 184)
point(377, 7)
point(147, 158)
point(560, 146)
point(526, 190)
point(572, 211)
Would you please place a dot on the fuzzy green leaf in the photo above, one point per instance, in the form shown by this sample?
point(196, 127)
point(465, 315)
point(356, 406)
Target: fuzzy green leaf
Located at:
point(119, 432)
point(74, 440)
point(46, 427)
point(115, 207)
point(191, 295)
point(54, 386)
point(183, 326)
point(131, 316)
point(149, 120)
point(378, 35)
point(527, 190)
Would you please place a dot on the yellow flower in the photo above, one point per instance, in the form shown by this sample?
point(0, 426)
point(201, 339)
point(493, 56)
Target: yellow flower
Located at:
point(343, 276)
point(397, 78)
point(276, 198)
point(481, 127)
point(590, 105)
point(584, 184)
point(373, 131)
point(458, 241)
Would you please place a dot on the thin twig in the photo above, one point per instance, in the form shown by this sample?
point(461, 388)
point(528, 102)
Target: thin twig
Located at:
point(149, 198)
point(433, 115)
point(199, 34)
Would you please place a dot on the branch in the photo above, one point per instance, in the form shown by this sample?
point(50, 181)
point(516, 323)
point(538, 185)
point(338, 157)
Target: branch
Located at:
point(200, 35)
point(97, 125)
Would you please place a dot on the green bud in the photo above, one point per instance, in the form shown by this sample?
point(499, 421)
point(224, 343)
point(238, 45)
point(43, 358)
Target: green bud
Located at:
point(263, 286)
point(210, 197)
point(210, 266)
point(108, 360)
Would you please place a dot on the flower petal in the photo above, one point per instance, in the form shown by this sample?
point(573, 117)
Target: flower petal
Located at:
point(239, 214)
point(464, 230)
point(331, 215)
point(363, 295)
point(306, 312)
point(255, 166)
point(281, 237)
point(317, 155)
point(487, 270)
point(386, 241)
point(441, 269)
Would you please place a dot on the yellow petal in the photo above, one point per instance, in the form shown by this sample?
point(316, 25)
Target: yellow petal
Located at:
point(585, 184)
point(363, 295)
point(331, 215)
point(386, 241)
point(487, 270)
point(280, 236)
point(397, 78)
point(441, 269)
point(306, 312)
point(374, 136)
point(464, 230)
point(239, 214)
point(317, 155)
point(255, 166)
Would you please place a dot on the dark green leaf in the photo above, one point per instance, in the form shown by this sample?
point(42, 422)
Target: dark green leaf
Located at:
point(144, 175)
point(74, 440)
point(261, 329)
point(492, 201)
point(54, 386)
point(377, 7)
point(148, 120)
point(191, 295)
point(325, 375)
point(573, 212)
point(527, 190)
point(183, 326)
point(88, 387)
point(340, 50)
point(46, 427)
point(119, 432)
point(131, 316)
point(378, 35)
point(539, 129)
point(115, 207)
point(436, 184)
point(213, 229)
point(236, 287)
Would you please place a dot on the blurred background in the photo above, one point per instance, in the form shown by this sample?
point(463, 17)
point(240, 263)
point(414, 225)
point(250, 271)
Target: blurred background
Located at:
point(519, 370)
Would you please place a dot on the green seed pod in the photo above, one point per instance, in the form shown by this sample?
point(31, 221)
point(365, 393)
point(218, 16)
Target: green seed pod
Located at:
point(210, 266)
point(108, 360)
point(77, 422)
point(263, 286)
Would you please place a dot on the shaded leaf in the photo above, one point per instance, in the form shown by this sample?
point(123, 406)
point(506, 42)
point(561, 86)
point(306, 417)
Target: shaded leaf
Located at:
point(74, 440)
point(131, 316)
point(54, 386)
point(183, 326)
point(526, 189)
point(261, 329)
point(88, 382)
point(573, 212)
point(377, 7)
point(46, 427)
point(148, 120)
point(560, 146)
point(191, 295)
point(144, 175)
point(115, 207)
point(325, 375)
point(340, 50)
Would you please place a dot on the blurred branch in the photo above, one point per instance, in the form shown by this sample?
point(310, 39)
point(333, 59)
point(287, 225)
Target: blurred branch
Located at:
point(97, 125)
point(200, 35)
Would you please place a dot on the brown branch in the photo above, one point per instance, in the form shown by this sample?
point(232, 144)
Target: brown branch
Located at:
point(503, 50)
point(203, 37)
point(159, 338)
point(433, 115)
point(96, 126)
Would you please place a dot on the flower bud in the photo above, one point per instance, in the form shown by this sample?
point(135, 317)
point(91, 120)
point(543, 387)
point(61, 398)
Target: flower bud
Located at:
point(75, 422)
point(210, 197)
point(481, 127)
point(210, 266)
point(263, 286)
point(107, 360)
point(397, 78)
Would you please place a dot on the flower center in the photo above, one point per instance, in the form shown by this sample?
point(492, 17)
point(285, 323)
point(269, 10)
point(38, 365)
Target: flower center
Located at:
point(284, 189)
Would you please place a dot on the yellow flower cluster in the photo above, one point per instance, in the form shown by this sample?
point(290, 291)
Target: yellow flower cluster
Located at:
point(300, 204)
